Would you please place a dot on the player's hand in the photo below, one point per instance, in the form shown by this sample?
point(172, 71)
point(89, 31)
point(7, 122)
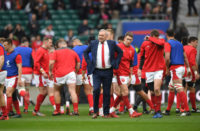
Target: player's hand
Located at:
point(20, 82)
point(45, 75)
point(189, 72)
point(146, 37)
point(83, 78)
point(50, 75)
point(139, 72)
point(196, 75)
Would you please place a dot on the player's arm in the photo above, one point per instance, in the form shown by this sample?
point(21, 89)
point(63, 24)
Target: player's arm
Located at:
point(86, 54)
point(84, 68)
point(119, 55)
point(157, 41)
point(141, 58)
point(1, 57)
point(167, 56)
point(78, 64)
point(51, 64)
point(187, 64)
point(18, 61)
point(194, 63)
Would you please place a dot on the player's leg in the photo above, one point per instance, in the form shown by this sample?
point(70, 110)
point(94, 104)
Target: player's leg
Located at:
point(28, 79)
point(57, 98)
point(88, 92)
point(51, 94)
point(158, 76)
point(70, 80)
point(177, 81)
point(41, 96)
point(2, 98)
point(192, 96)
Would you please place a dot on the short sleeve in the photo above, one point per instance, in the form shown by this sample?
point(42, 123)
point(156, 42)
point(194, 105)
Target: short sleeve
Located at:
point(1, 51)
point(18, 59)
point(167, 47)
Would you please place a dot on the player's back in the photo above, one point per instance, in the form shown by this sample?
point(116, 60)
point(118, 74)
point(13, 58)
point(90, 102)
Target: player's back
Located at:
point(79, 49)
point(176, 56)
point(65, 61)
point(26, 54)
point(11, 65)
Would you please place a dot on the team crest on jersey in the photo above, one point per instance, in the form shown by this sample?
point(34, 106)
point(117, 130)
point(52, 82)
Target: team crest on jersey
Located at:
point(123, 80)
point(8, 63)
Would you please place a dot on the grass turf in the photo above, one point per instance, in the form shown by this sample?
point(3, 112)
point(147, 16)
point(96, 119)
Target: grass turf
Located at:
point(85, 123)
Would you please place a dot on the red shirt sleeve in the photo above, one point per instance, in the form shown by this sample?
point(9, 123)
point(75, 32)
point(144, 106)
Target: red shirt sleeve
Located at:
point(84, 64)
point(1, 51)
point(51, 56)
point(160, 42)
point(167, 47)
point(38, 57)
point(18, 59)
point(193, 57)
point(142, 50)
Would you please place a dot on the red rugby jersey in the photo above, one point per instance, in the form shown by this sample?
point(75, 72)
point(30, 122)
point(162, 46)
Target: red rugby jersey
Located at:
point(126, 60)
point(65, 61)
point(41, 60)
point(152, 51)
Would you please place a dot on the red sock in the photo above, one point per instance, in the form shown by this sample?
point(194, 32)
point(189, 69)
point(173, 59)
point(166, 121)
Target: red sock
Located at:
point(101, 100)
point(117, 101)
point(126, 102)
point(75, 106)
point(121, 107)
point(111, 101)
point(170, 100)
point(90, 100)
point(58, 107)
point(158, 103)
point(9, 104)
point(51, 99)
point(150, 103)
point(40, 99)
point(3, 108)
point(178, 100)
point(26, 100)
point(22, 93)
point(16, 105)
point(153, 101)
point(193, 99)
point(184, 100)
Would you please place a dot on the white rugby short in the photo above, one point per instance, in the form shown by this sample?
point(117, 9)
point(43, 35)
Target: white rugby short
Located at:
point(70, 78)
point(151, 76)
point(40, 81)
point(27, 78)
point(3, 75)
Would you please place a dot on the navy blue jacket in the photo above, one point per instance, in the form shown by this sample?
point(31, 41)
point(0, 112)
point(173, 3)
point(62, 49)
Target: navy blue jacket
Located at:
point(113, 48)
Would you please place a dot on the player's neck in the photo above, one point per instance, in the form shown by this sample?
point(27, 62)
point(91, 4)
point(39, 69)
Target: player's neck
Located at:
point(45, 47)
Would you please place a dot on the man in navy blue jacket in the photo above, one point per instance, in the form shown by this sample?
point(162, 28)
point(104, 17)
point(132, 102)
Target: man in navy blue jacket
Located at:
point(103, 62)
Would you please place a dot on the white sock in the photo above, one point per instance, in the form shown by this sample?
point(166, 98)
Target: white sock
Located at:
point(54, 107)
point(131, 110)
point(112, 109)
point(67, 103)
point(91, 109)
point(62, 108)
point(101, 111)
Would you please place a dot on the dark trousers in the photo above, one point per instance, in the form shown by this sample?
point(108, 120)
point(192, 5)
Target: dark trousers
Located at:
point(102, 77)
point(190, 6)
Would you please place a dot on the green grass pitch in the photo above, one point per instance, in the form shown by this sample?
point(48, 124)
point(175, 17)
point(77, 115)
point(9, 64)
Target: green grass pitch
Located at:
point(86, 123)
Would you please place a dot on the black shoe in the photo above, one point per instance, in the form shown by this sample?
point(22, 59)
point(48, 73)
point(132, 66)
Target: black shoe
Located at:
point(185, 113)
point(177, 110)
point(17, 116)
point(145, 112)
point(166, 112)
point(68, 111)
point(11, 113)
point(195, 110)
